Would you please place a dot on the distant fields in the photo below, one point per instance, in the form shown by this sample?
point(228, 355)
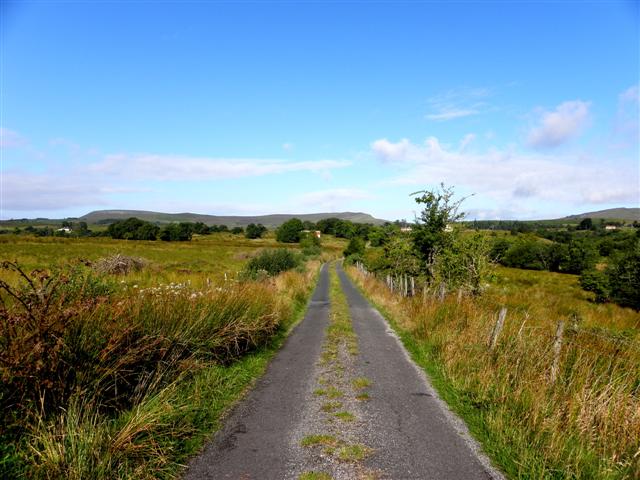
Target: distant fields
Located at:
point(205, 257)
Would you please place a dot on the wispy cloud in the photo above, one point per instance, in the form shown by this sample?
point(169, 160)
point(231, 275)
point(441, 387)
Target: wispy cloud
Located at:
point(626, 131)
point(509, 176)
point(176, 167)
point(11, 138)
point(333, 199)
point(560, 125)
point(457, 103)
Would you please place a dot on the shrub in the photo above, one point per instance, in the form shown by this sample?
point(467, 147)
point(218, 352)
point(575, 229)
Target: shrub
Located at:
point(272, 262)
point(177, 232)
point(133, 229)
point(596, 282)
point(355, 247)
point(310, 245)
point(237, 230)
point(254, 231)
point(289, 231)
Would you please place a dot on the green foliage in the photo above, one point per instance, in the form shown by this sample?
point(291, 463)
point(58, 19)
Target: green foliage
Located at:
point(464, 263)
point(255, 231)
point(400, 257)
point(430, 231)
point(237, 230)
point(289, 231)
point(133, 229)
point(272, 262)
point(310, 245)
point(624, 277)
point(527, 252)
point(356, 247)
point(177, 232)
point(586, 224)
point(596, 282)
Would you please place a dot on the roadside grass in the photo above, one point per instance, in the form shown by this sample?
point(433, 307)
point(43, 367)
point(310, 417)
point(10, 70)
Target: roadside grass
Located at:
point(130, 382)
point(315, 476)
point(584, 425)
point(345, 416)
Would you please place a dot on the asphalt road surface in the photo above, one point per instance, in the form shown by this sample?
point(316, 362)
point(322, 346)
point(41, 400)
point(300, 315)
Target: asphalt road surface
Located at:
point(406, 429)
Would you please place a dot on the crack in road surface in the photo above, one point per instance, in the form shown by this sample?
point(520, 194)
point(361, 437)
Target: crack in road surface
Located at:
point(385, 422)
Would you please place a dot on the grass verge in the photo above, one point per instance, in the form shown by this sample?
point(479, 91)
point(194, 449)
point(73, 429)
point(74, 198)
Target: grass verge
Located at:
point(583, 425)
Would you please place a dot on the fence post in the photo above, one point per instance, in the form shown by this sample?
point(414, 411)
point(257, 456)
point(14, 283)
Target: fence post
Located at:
point(557, 348)
point(413, 286)
point(498, 328)
point(459, 295)
point(442, 292)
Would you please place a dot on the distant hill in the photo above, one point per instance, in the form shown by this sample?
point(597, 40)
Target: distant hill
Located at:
point(270, 221)
point(627, 214)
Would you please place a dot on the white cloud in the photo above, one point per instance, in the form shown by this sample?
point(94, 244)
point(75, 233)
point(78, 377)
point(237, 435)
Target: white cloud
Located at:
point(468, 138)
point(508, 176)
point(333, 199)
point(457, 103)
point(10, 138)
point(561, 125)
point(626, 130)
point(451, 113)
point(287, 147)
point(175, 167)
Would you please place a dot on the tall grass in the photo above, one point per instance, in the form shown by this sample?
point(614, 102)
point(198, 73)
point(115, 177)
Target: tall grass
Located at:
point(585, 424)
point(111, 386)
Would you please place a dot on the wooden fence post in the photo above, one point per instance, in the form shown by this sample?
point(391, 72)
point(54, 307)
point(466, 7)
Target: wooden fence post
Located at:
point(413, 286)
point(442, 292)
point(498, 328)
point(557, 348)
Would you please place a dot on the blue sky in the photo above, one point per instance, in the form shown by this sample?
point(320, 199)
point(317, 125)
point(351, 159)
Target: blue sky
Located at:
point(297, 107)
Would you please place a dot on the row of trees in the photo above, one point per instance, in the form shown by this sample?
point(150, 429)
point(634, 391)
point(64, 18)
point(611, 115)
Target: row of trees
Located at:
point(136, 229)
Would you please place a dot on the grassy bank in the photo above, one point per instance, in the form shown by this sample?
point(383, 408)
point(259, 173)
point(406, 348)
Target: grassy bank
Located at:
point(542, 408)
point(103, 380)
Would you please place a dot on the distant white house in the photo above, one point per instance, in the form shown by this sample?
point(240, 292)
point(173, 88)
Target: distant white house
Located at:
point(64, 229)
point(405, 229)
point(610, 227)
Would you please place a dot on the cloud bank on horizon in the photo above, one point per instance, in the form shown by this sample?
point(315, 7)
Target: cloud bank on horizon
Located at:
point(527, 145)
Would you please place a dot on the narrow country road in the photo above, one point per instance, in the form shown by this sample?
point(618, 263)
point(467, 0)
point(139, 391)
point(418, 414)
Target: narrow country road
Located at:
point(345, 405)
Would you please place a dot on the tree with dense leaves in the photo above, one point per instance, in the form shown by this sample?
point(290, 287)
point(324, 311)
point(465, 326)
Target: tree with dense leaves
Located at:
point(289, 231)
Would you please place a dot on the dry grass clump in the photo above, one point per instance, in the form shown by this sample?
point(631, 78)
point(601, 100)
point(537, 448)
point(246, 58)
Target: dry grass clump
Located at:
point(583, 421)
point(119, 264)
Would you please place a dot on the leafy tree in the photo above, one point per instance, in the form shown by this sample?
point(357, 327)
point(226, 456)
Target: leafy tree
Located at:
point(464, 263)
point(623, 274)
point(133, 229)
point(177, 232)
point(430, 230)
point(237, 230)
point(355, 247)
point(254, 231)
point(586, 224)
point(289, 231)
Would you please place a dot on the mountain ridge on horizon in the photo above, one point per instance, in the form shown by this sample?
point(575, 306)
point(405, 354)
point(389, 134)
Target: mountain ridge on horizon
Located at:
point(270, 221)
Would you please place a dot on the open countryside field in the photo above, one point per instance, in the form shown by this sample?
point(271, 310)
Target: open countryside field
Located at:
point(205, 257)
point(126, 375)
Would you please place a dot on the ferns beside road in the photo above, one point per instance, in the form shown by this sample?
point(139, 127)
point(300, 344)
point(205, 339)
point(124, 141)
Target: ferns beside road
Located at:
point(120, 384)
